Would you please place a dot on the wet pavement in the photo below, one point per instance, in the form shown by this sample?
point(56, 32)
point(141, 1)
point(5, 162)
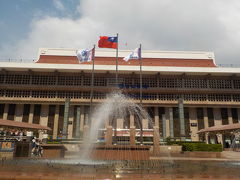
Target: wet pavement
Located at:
point(153, 169)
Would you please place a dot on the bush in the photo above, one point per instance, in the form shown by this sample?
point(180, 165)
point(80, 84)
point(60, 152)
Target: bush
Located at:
point(181, 142)
point(201, 147)
point(195, 146)
point(53, 142)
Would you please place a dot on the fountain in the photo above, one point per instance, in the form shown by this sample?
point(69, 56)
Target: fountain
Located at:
point(118, 147)
point(119, 156)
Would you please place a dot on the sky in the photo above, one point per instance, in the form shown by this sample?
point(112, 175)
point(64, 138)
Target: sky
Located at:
point(162, 25)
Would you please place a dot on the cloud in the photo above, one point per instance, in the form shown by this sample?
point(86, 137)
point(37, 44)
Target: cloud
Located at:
point(188, 25)
point(58, 4)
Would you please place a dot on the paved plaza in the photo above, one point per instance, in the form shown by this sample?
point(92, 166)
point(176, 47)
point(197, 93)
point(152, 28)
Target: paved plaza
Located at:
point(167, 168)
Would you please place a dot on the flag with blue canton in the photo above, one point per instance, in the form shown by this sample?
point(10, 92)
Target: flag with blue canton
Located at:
point(108, 42)
point(113, 39)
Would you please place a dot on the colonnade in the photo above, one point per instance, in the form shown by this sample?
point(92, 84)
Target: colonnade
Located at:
point(164, 120)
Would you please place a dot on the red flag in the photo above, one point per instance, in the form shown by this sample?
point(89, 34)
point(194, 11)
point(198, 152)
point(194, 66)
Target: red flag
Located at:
point(108, 42)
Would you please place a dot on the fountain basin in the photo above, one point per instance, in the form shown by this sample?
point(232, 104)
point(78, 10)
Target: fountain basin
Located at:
point(120, 152)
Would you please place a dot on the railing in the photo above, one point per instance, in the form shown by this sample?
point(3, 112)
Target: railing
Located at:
point(34, 60)
point(229, 65)
point(18, 60)
point(14, 138)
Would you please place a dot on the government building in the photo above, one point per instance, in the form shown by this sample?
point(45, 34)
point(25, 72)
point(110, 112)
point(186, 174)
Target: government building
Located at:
point(183, 92)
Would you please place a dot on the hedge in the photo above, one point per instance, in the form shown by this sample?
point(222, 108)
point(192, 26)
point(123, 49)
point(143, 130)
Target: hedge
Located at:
point(196, 146)
point(181, 142)
point(201, 147)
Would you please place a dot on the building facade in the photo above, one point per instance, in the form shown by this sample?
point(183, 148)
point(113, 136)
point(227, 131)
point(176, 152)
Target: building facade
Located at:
point(183, 92)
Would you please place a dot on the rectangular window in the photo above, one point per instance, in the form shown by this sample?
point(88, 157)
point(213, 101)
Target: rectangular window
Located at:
point(36, 114)
point(11, 111)
point(200, 118)
point(210, 117)
point(186, 122)
point(26, 111)
point(60, 120)
point(1, 110)
point(235, 115)
point(176, 122)
point(224, 114)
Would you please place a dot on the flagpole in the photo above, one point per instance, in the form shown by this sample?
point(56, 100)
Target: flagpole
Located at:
point(115, 132)
point(117, 63)
point(92, 81)
point(140, 62)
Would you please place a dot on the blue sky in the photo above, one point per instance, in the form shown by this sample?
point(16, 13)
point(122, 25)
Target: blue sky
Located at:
point(162, 25)
point(17, 15)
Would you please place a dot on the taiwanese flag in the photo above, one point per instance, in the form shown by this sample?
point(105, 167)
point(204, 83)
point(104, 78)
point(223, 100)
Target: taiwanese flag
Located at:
point(108, 42)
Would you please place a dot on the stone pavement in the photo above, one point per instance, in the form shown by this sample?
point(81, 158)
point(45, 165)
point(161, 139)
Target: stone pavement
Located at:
point(182, 168)
point(53, 176)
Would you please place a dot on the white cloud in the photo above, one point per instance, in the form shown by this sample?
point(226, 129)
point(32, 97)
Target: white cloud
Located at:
point(199, 25)
point(58, 4)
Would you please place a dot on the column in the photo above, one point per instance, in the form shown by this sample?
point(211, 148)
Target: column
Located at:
point(156, 139)
point(5, 112)
point(164, 126)
point(31, 112)
point(205, 119)
point(170, 111)
point(193, 120)
point(19, 112)
point(217, 116)
point(44, 115)
point(86, 116)
point(43, 118)
point(220, 138)
point(156, 117)
point(55, 126)
point(131, 120)
point(145, 121)
point(230, 119)
point(86, 133)
point(81, 120)
point(181, 119)
point(132, 135)
point(108, 136)
point(167, 121)
point(70, 122)
point(119, 123)
point(207, 138)
point(66, 118)
point(107, 122)
point(77, 132)
point(218, 121)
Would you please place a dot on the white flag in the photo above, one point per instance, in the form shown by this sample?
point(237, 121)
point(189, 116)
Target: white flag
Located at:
point(85, 55)
point(136, 54)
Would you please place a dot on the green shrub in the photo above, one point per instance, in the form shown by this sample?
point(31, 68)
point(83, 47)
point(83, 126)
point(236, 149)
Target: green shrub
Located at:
point(181, 142)
point(53, 142)
point(201, 147)
point(195, 146)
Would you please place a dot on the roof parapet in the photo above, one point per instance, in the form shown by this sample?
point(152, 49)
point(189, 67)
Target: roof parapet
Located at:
point(123, 53)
